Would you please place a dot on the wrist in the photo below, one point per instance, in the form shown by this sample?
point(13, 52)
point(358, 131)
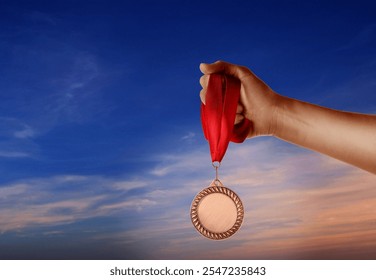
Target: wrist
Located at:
point(279, 105)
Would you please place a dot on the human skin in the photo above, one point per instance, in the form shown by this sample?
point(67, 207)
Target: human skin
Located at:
point(347, 136)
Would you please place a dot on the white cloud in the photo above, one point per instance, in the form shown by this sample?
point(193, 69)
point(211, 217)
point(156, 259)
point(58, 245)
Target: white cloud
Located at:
point(134, 204)
point(292, 197)
point(181, 164)
point(12, 190)
point(76, 92)
point(22, 215)
point(131, 184)
point(26, 132)
point(13, 127)
point(10, 154)
point(189, 136)
point(34, 202)
point(16, 139)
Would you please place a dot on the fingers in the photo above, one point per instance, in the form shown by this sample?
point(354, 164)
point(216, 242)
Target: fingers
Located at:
point(203, 95)
point(206, 68)
point(239, 109)
point(204, 81)
point(238, 119)
point(224, 67)
point(218, 66)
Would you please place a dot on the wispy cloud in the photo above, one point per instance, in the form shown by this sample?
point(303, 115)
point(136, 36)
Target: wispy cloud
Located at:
point(16, 138)
point(10, 154)
point(15, 128)
point(65, 81)
point(134, 204)
point(32, 202)
point(189, 136)
point(129, 185)
point(179, 164)
point(364, 36)
point(71, 95)
point(323, 215)
point(25, 132)
point(298, 205)
point(74, 93)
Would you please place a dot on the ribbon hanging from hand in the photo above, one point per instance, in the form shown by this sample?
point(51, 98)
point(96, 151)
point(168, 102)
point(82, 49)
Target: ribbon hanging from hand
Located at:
point(218, 115)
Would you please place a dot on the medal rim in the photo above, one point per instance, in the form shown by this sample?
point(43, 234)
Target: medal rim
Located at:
point(213, 188)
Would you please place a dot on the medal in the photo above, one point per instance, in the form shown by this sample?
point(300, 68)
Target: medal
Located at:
point(217, 212)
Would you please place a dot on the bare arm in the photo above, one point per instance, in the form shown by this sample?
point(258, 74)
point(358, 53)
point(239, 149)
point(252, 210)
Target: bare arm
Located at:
point(346, 136)
point(349, 137)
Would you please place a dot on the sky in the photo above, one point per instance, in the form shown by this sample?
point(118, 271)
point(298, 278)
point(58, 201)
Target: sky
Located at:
point(101, 147)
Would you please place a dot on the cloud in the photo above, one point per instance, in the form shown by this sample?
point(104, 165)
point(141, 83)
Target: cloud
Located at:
point(298, 205)
point(7, 154)
point(324, 210)
point(60, 212)
point(179, 164)
point(15, 128)
point(26, 132)
point(70, 87)
point(16, 139)
point(129, 185)
point(138, 204)
point(363, 37)
point(76, 92)
point(69, 93)
point(33, 202)
point(188, 137)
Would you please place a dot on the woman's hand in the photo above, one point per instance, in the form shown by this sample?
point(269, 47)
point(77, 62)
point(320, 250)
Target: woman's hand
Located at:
point(257, 101)
point(346, 136)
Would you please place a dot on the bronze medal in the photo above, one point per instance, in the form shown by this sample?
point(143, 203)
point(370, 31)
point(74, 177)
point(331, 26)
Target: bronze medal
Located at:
point(217, 212)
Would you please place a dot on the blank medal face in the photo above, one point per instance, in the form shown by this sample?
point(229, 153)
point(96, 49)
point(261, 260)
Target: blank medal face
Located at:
point(217, 212)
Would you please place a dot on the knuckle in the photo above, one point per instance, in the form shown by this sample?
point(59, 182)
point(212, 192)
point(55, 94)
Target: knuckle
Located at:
point(203, 95)
point(204, 80)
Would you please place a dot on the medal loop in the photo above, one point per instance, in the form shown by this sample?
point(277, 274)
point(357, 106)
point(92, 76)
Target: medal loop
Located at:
point(218, 115)
point(216, 165)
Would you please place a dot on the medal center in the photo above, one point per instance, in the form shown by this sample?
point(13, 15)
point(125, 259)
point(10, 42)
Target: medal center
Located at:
point(217, 212)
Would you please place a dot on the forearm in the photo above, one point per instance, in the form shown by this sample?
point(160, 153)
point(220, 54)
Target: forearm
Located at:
point(346, 136)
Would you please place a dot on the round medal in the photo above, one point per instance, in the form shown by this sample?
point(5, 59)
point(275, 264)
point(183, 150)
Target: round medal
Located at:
point(217, 212)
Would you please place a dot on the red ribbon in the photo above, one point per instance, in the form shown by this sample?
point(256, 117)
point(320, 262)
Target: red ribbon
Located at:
point(218, 115)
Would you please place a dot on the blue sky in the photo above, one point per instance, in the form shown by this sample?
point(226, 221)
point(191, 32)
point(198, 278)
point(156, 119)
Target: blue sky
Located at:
point(101, 148)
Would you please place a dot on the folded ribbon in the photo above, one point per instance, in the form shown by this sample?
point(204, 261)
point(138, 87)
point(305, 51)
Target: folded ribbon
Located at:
point(218, 115)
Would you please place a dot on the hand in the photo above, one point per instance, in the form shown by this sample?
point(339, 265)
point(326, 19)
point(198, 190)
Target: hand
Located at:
point(347, 136)
point(257, 101)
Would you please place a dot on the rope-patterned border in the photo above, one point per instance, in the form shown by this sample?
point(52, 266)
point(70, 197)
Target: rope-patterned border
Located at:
point(196, 220)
